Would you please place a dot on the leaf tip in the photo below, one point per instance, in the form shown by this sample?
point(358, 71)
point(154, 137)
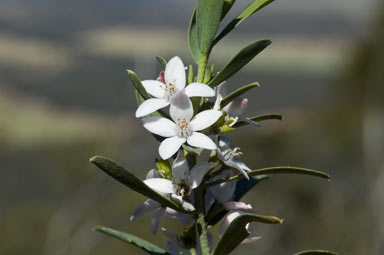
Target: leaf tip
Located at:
point(93, 159)
point(130, 72)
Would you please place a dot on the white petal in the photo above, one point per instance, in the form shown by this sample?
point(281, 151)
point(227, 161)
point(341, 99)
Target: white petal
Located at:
point(198, 172)
point(160, 185)
point(154, 88)
point(156, 220)
point(170, 146)
point(251, 239)
point(180, 167)
point(242, 168)
point(224, 191)
point(145, 208)
point(201, 141)
point(221, 89)
point(186, 205)
point(149, 106)
point(185, 219)
point(199, 90)
point(205, 119)
point(175, 73)
point(181, 106)
point(160, 126)
point(153, 173)
point(233, 205)
point(227, 220)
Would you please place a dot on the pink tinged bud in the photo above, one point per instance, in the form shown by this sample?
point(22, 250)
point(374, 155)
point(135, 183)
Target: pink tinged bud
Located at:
point(236, 107)
point(233, 205)
point(161, 77)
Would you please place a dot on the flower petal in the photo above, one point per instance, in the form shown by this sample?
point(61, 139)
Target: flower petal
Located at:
point(201, 141)
point(180, 167)
point(185, 219)
point(223, 191)
point(145, 208)
point(198, 172)
point(156, 220)
point(181, 106)
point(149, 106)
point(153, 173)
point(199, 90)
point(175, 73)
point(251, 239)
point(160, 126)
point(227, 220)
point(154, 88)
point(240, 166)
point(170, 146)
point(160, 185)
point(186, 205)
point(234, 205)
point(205, 119)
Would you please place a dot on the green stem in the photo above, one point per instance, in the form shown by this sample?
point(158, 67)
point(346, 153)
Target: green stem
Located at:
point(201, 68)
point(200, 220)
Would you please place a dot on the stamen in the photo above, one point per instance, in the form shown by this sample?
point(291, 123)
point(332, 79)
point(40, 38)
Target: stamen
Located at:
point(183, 127)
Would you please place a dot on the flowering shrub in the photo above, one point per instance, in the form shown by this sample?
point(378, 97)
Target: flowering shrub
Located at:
point(200, 178)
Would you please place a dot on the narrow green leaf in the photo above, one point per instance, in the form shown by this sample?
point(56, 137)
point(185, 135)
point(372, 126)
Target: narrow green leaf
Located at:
point(316, 252)
point(137, 84)
point(236, 232)
point(272, 116)
point(275, 170)
point(131, 181)
point(150, 248)
point(241, 59)
point(244, 14)
point(161, 61)
point(226, 7)
point(193, 42)
point(226, 100)
point(208, 16)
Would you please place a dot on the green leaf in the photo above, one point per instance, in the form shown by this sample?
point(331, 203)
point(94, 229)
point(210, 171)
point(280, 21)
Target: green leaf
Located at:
point(208, 16)
point(131, 181)
point(236, 232)
point(275, 170)
point(193, 43)
point(241, 59)
point(272, 116)
point(316, 252)
point(137, 84)
point(248, 11)
point(226, 100)
point(161, 61)
point(226, 7)
point(150, 248)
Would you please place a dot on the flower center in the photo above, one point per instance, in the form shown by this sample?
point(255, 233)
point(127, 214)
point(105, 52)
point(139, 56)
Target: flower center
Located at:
point(169, 90)
point(182, 188)
point(230, 154)
point(183, 127)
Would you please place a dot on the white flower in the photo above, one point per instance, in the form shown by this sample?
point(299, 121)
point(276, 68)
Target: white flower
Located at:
point(163, 89)
point(234, 109)
point(229, 156)
point(184, 179)
point(150, 206)
point(183, 128)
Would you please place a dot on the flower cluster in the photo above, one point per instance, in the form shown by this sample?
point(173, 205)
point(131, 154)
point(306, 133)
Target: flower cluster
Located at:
point(194, 129)
point(199, 178)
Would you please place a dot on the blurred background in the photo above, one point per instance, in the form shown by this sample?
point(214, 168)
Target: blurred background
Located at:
point(65, 96)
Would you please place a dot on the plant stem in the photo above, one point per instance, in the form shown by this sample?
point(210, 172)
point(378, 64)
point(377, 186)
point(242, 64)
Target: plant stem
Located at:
point(201, 226)
point(201, 68)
